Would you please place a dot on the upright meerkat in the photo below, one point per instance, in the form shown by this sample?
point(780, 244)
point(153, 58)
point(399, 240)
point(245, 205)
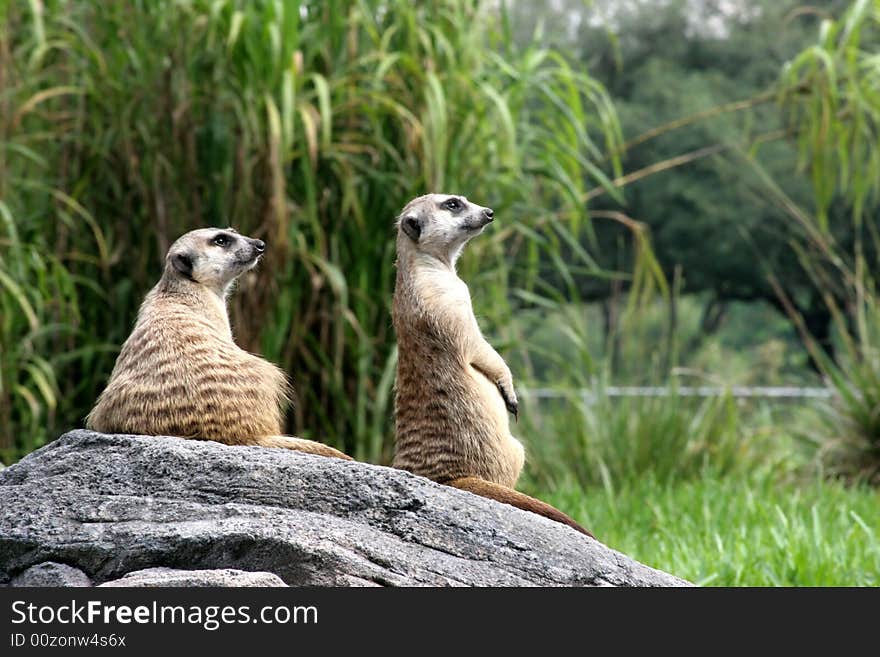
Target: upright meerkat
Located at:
point(453, 390)
point(180, 372)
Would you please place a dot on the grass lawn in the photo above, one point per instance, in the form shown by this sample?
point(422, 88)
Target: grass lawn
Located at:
point(736, 532)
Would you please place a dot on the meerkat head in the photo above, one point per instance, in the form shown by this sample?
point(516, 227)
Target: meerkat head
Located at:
point(441, 224)
point(213, 257)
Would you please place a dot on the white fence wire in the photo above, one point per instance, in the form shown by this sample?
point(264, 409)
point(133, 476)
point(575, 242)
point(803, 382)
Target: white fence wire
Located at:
point(760, 392)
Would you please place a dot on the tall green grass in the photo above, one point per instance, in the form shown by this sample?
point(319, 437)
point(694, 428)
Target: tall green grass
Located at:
point(611, 441)
point(307, 124)
point(831, 95)
point(832, 104)
point(845, 440)
point(586, 436)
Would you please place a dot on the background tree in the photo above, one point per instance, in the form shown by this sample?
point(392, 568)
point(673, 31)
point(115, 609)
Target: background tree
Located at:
point(712, 156)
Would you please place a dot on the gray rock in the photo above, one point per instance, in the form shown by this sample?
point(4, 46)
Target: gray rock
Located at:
point(113, 504)
point(174, 577)
point(50, 573)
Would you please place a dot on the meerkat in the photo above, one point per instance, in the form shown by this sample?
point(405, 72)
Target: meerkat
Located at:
point(180, 372)
point(453, 391)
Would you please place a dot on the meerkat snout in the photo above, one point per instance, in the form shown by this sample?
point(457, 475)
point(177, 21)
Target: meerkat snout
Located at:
point(484, 218)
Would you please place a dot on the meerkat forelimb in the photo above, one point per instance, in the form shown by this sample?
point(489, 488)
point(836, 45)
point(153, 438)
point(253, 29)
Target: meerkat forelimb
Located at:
point(490, 363)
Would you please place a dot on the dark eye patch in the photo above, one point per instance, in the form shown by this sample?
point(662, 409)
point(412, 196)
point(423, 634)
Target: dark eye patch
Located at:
point(222, 239)
point(453, 205)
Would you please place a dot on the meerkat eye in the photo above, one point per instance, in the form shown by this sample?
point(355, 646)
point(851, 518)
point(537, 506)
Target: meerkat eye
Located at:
point(222, 240)
point(453, 204)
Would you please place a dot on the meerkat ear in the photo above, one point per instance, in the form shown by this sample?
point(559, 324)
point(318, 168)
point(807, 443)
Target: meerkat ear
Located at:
point(183, 264)
point(412, 226)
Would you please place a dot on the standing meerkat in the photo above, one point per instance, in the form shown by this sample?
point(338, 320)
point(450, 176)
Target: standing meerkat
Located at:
point(180, 372)
point(453, 390)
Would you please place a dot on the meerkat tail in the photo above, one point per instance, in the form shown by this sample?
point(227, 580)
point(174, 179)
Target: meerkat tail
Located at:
point(301, 445)
point(512, 497)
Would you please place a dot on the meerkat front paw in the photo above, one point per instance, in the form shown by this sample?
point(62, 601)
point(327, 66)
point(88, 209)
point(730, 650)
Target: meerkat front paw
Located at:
point(505, 387)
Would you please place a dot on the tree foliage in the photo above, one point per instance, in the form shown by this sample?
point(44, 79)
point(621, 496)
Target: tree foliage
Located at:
point(721, 164)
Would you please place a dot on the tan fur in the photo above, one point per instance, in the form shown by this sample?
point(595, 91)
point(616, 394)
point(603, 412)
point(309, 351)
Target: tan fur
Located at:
point(180, 372)
point(453, 390)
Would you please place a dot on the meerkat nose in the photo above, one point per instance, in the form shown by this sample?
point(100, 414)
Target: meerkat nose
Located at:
point(259, 245)
point(489, 213)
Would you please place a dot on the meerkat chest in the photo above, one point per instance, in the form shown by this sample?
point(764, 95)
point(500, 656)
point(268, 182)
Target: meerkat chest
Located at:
point(442, 290)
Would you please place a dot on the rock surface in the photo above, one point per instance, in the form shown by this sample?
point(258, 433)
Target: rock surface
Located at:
point(50, 573)
point(173, 577)
point(110, 505)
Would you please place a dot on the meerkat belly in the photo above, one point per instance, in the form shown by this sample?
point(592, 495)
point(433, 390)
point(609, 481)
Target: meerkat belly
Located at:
point(508, 455)
point(451, 423)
